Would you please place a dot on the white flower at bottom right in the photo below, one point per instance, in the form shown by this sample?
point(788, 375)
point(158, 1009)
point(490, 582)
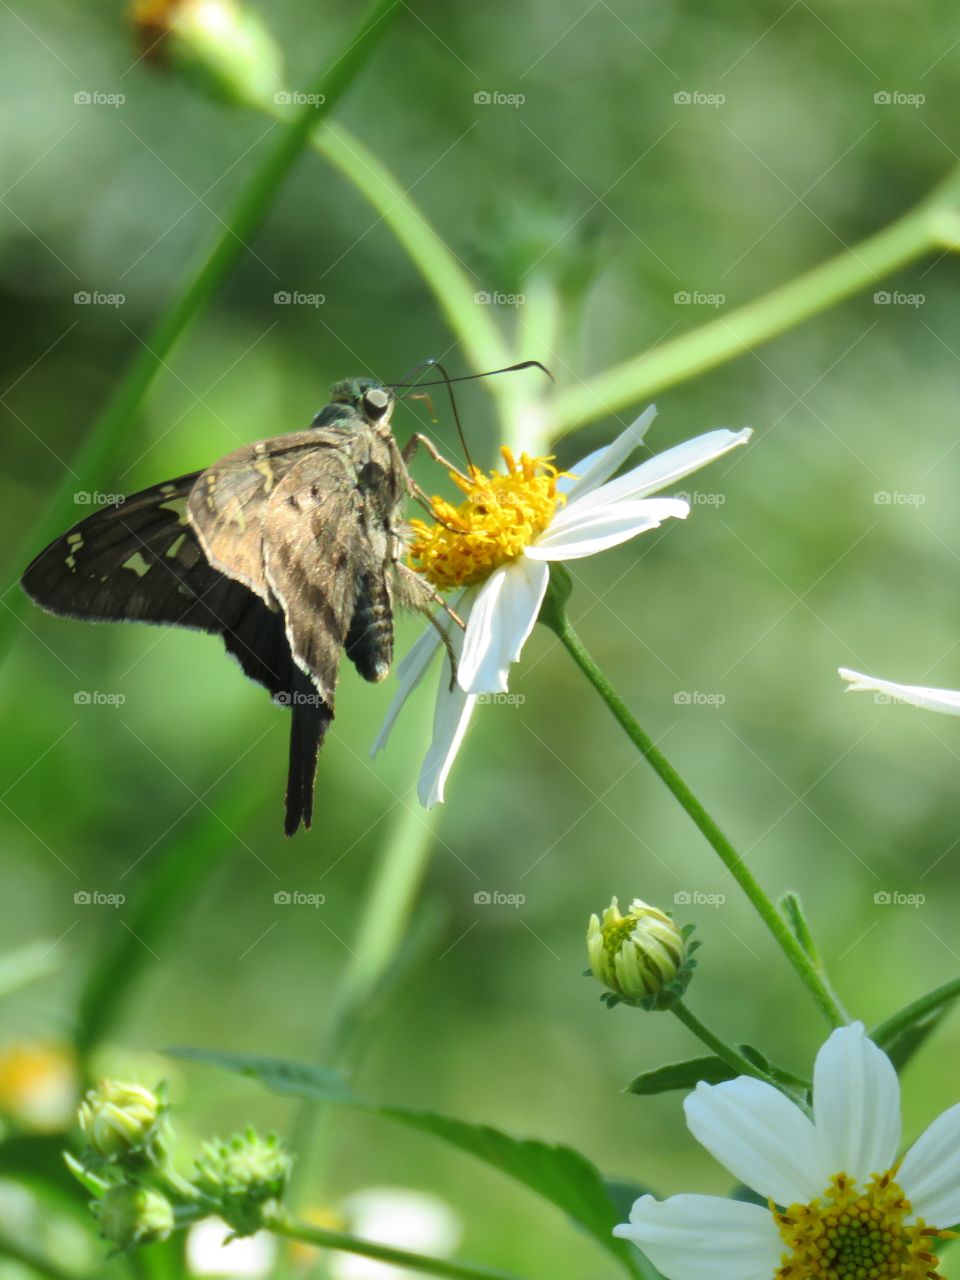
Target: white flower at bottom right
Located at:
point(918, 695)
point(841, 1205)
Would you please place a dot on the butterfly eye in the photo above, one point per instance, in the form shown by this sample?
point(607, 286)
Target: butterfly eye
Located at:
point(375, 402)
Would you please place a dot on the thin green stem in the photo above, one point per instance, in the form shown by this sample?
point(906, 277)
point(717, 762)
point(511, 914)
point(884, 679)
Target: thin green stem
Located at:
point(249, 213)
point(888, 1030)
point(731, 1055)
point(925, 228)
point(383, 926)
point(792, 909)
point(402, 1258)
point(555, 617)
point(471, 322)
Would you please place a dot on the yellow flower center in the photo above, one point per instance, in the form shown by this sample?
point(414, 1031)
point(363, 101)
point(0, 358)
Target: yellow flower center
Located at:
point(502, 514)
point(853, 1234)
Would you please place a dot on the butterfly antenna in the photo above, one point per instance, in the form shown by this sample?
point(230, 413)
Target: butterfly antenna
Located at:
point(470, 377)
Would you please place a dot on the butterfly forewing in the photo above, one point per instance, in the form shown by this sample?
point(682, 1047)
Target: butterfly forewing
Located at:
point(229, 501)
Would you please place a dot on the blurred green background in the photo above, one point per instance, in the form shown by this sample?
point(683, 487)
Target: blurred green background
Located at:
point(601, 186)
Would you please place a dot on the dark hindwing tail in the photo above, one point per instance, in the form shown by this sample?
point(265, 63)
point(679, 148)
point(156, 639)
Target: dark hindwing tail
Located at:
point(309, 718)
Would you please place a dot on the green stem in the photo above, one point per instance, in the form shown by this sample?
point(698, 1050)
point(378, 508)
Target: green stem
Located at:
point(887, 1031)
point(472, 323)
point(383, 925)
point(554, 616)
point(249, 213)
point(928, 226)
point(324, 1239)
point(731, 1056)
point(792, 909)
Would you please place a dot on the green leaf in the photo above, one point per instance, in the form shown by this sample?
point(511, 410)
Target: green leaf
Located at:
point(909, 1039)
point(681, 1075)
point(555, 1172)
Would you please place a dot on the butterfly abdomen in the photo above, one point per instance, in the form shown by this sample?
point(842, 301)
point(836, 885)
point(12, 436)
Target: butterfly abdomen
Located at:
point(369, 643)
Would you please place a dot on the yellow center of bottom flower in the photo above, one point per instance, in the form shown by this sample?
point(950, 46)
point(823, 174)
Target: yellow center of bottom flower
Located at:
point(853, 1234)
point(502, 514)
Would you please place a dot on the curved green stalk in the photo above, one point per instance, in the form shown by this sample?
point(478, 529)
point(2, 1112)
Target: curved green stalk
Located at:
point(888, 1030)
point(280, 1225)
point(728, 1052)
point(472, 323)
point(554, 616)
point(933, 224)
point(249, 213)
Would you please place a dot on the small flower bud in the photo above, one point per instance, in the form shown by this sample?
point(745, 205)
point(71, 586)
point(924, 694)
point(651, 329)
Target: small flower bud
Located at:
point(225, 50)
point(119, 1119)
point(241, 1176)
point(641, 957)
point(130, 1215)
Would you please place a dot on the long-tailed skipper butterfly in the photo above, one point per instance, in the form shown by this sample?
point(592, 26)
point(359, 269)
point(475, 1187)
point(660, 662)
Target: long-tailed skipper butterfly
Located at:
point(291, 549)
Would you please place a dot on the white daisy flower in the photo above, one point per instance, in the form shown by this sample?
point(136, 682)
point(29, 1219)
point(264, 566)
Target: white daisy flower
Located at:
point(945, 700)
point(841, 1205)
point(497, 547)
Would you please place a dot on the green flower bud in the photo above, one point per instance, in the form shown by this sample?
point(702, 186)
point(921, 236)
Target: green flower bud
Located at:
point(217, 44)
point(119, 1119)
point(642, 958)
point(241, 1176)
point(130, 1215)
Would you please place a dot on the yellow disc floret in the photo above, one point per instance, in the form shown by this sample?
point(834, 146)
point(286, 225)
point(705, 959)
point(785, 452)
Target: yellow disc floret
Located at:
point(857, 1234)
point(502, 514)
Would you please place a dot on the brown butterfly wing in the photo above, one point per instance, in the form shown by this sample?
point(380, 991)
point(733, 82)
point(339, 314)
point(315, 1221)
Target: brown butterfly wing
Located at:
point(229, 501)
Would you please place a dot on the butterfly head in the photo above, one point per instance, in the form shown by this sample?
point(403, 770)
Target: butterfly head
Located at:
point(366, 396)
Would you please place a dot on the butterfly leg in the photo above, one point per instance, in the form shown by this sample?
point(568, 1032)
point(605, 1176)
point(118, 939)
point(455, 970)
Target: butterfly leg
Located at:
point(417, 594)
point(415, 441)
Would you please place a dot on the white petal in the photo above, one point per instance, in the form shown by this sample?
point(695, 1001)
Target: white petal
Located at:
point(502, 617)
point(590, 472)
point(450, 719)
point(663, 469)
point(413, 666)
point(930, 1173)
point(579, 531)
point(946, 700)
point(856, 1105)
point(760, 1136)
point(705, 1238)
